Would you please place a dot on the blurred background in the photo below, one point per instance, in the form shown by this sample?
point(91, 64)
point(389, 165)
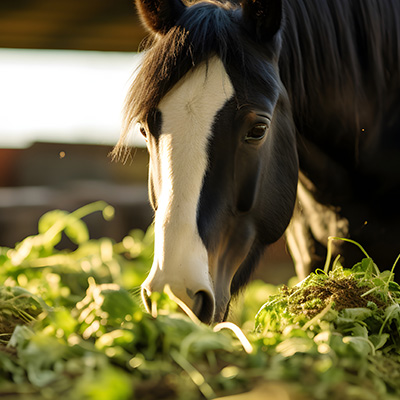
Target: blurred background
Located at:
point(65, 67)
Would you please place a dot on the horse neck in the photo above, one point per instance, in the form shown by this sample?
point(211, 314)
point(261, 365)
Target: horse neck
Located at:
point(339, 50)
point(340, 64)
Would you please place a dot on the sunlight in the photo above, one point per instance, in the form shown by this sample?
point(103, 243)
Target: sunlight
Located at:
point(62, 96)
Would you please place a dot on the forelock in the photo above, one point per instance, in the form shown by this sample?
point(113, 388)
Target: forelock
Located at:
point(204, 30)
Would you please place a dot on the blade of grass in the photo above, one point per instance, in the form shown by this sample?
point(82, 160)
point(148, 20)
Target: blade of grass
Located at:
point(197, 378)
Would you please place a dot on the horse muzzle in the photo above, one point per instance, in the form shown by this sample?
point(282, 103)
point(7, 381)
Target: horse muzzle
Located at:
point(199, 298)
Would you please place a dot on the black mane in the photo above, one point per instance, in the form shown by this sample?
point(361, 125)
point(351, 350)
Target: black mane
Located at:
point(335, 46)
point(342, 46)
point(204, 30)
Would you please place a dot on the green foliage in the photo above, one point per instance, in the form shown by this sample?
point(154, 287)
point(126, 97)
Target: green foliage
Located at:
point(72, 326)
point(348, 320)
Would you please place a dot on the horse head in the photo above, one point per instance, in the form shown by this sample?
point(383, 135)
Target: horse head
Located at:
point(219, 130)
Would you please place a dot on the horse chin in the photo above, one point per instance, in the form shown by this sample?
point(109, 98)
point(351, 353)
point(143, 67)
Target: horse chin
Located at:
point(221, 313)
point(222, 301)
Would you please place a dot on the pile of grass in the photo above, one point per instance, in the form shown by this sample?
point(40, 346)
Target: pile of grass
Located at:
point(72, 326)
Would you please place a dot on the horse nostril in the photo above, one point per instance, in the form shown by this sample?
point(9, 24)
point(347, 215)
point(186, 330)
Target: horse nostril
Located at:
point(203, 307)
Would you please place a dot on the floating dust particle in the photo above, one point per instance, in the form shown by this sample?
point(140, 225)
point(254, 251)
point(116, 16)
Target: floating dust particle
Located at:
point(343, 292)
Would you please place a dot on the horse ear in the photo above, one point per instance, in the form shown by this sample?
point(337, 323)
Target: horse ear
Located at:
point(264, 17)
point(159, 16)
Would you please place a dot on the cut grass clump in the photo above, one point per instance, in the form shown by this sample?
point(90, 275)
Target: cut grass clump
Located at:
point(17, 307)
point(342, 330)
point(341, 293)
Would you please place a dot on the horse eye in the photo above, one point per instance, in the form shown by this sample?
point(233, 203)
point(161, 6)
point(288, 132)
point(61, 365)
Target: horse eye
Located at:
point(256, 133)
point(143, 131)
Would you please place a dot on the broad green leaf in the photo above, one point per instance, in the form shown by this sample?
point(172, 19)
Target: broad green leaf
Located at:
point(379, 340)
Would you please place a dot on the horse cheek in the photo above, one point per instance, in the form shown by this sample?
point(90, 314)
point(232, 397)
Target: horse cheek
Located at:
point(277, 196)
point(246, 182)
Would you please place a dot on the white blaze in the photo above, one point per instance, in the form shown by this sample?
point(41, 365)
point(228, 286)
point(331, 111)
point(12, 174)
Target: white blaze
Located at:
point(188, 112)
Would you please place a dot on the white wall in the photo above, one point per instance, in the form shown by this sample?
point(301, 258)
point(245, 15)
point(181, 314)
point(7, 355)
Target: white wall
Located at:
point(63, 96)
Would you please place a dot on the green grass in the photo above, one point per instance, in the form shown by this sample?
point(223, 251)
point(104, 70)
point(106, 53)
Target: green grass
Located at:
point(72, 326)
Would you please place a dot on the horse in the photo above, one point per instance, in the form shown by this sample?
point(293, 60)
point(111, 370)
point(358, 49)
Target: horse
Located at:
point(266, 118)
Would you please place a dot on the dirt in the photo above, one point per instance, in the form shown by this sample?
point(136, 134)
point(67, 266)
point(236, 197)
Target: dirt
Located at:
point(343, 293)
